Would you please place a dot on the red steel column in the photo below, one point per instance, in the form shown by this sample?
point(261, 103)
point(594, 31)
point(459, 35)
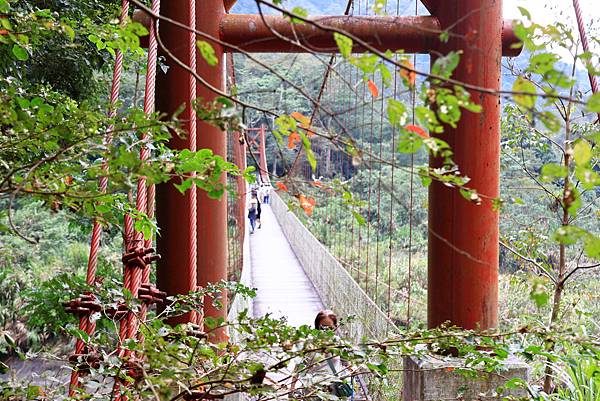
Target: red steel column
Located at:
point(176, 240)
point(463, 237)
point(212, 214)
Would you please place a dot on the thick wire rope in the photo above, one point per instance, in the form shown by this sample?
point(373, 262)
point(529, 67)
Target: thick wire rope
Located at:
point(410, 196)
point(149, 107)
point(585, 44)
point(349, 223)
point(133, 275)
point(370, 168)
point(380, 168)
point(85, 324)
point(362, 139)
point(337, 164)
point(195, 316)
point(391, 219)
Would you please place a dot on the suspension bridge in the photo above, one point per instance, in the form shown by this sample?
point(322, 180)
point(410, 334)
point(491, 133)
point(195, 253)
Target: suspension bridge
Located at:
point(204, 240)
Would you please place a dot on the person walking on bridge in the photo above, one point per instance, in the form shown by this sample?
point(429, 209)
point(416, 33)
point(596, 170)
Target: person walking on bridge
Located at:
point(253, 211)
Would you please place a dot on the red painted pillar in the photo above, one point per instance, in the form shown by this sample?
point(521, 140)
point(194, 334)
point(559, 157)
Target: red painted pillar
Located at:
point(212, 214)
point(463, 237)
point(176, 241)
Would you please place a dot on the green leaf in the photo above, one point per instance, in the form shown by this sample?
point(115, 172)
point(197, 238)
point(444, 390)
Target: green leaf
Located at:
point(552, 171)
point(444, 66)
point(184, 186)
point(591, 246)
point(587, 176)
point(397, 114)
point(300, 11)
point(539, 293)
point(4, 6)
point(207, 52)
point(23, 103)
point(20, 53)
point(409, 142)
point(582, 152)
point(567, 235)
point(426, 180)
point(525, 13)
point(367, 63)
point(593, 103)
point(310, 156)
point(359, 218)
point(344, 44)
point(68, 30)
point(524, 85)
point(3, 367)
point(379, 7)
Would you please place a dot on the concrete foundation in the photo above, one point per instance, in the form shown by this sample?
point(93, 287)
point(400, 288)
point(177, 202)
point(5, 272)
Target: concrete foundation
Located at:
point(430, 378)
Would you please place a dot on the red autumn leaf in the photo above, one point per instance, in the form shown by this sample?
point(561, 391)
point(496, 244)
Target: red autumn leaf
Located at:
point(417, 130)
point(408, 72)
point(293, 139)
point(317, 184)
point(301, 118)
point(3, 32)
point(304, 123)
point(449, 368)
point(281, 186)
point(307, 204)
point(373, 88)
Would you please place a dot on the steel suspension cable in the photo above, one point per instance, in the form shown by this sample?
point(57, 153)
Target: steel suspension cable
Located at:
point(410, 196)
point(585, 44)
point(146, 195)
point(135, 276)
point(192, 223)
point(85, 324)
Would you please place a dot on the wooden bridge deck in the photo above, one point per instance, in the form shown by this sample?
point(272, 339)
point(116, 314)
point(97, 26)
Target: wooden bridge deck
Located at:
point(284, 290)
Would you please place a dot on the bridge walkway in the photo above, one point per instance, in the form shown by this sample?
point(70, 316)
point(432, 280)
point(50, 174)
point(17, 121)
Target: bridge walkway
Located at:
point(284, 288)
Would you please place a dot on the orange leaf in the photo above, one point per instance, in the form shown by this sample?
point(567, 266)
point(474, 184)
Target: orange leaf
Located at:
point(417, 130)
point(373, 88)
point(307, 204)
point(317, 184)
point(293, 139)
point(305, 121)
point(3, 32)
point(281, 186)
point(408, 72)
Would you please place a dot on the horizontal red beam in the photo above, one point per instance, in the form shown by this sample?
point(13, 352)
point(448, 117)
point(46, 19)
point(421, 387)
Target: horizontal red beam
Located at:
point(249, 32)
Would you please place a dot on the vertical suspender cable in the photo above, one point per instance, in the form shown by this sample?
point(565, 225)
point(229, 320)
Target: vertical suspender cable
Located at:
point(192, 223)
point(149, 106)
point(84, 322)
point(585, 44)
point(410, 195)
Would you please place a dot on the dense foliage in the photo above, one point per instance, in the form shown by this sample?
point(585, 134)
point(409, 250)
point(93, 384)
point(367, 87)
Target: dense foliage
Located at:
point(55, 71)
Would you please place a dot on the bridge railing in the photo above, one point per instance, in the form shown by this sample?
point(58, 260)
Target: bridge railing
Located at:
point(240, 303)
point(335, 286)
